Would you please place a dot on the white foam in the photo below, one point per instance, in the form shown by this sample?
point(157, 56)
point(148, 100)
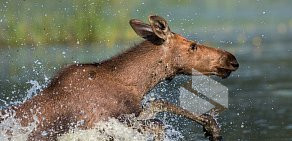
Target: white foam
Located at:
point(11, 129)
point(113, 129)
point(104, 131)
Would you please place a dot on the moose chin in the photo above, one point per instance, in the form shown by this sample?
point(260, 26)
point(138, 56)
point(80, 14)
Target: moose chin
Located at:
point(115, 87)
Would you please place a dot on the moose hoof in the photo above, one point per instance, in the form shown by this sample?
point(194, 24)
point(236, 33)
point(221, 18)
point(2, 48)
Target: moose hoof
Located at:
point(211, 128)
point(209, 135)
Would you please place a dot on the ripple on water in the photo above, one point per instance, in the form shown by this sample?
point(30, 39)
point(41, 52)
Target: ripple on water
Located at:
point(283, 92)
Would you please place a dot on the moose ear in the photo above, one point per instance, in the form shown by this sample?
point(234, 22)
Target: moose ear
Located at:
point(159, 27)
point(142, 29)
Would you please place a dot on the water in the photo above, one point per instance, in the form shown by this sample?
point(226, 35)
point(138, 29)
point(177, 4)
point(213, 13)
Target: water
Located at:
point(260, 106)
point(260, 91)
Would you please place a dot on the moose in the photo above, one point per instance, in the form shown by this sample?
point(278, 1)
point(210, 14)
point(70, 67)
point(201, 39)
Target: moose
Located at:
point(115, 87)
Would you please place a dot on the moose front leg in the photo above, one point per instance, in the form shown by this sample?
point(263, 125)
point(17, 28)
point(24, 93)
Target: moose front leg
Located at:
point(207, 121)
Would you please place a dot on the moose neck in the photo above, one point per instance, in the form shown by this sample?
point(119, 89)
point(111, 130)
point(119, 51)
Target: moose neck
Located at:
point(141, 67)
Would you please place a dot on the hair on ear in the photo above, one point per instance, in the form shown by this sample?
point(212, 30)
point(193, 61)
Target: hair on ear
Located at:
point(142, 29)
point(145, 31)
point(160, 27)
point(157, 31)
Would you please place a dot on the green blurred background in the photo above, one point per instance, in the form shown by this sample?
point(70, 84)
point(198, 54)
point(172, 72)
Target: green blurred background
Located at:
point(43, 22)
point(38, 37)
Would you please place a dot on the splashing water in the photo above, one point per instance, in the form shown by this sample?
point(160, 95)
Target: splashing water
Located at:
point(35, 88)
point(11, 129)
point(113, 129)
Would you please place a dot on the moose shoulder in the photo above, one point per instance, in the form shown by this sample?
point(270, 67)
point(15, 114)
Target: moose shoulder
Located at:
point(95, 92)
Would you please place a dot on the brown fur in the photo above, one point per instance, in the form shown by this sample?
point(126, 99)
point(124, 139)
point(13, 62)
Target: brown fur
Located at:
point(94, 92)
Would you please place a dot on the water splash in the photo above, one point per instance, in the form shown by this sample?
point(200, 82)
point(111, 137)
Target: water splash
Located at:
point(113, 129)
point(103, 131)
point(35, 88)
point(11, 129)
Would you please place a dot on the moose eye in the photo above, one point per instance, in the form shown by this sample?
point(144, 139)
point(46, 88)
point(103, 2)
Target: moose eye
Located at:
point(193, 46)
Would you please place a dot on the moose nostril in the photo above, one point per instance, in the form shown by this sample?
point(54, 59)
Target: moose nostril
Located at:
point(235, 64)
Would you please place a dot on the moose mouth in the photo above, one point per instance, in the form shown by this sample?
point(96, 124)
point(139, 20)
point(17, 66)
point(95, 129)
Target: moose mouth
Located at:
point(220, 72)
point(223, 72)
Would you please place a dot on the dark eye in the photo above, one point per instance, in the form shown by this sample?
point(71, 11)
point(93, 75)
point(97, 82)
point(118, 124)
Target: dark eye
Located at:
point(193, 46)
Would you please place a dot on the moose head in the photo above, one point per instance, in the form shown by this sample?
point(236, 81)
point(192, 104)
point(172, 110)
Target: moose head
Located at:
point(185, 54)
